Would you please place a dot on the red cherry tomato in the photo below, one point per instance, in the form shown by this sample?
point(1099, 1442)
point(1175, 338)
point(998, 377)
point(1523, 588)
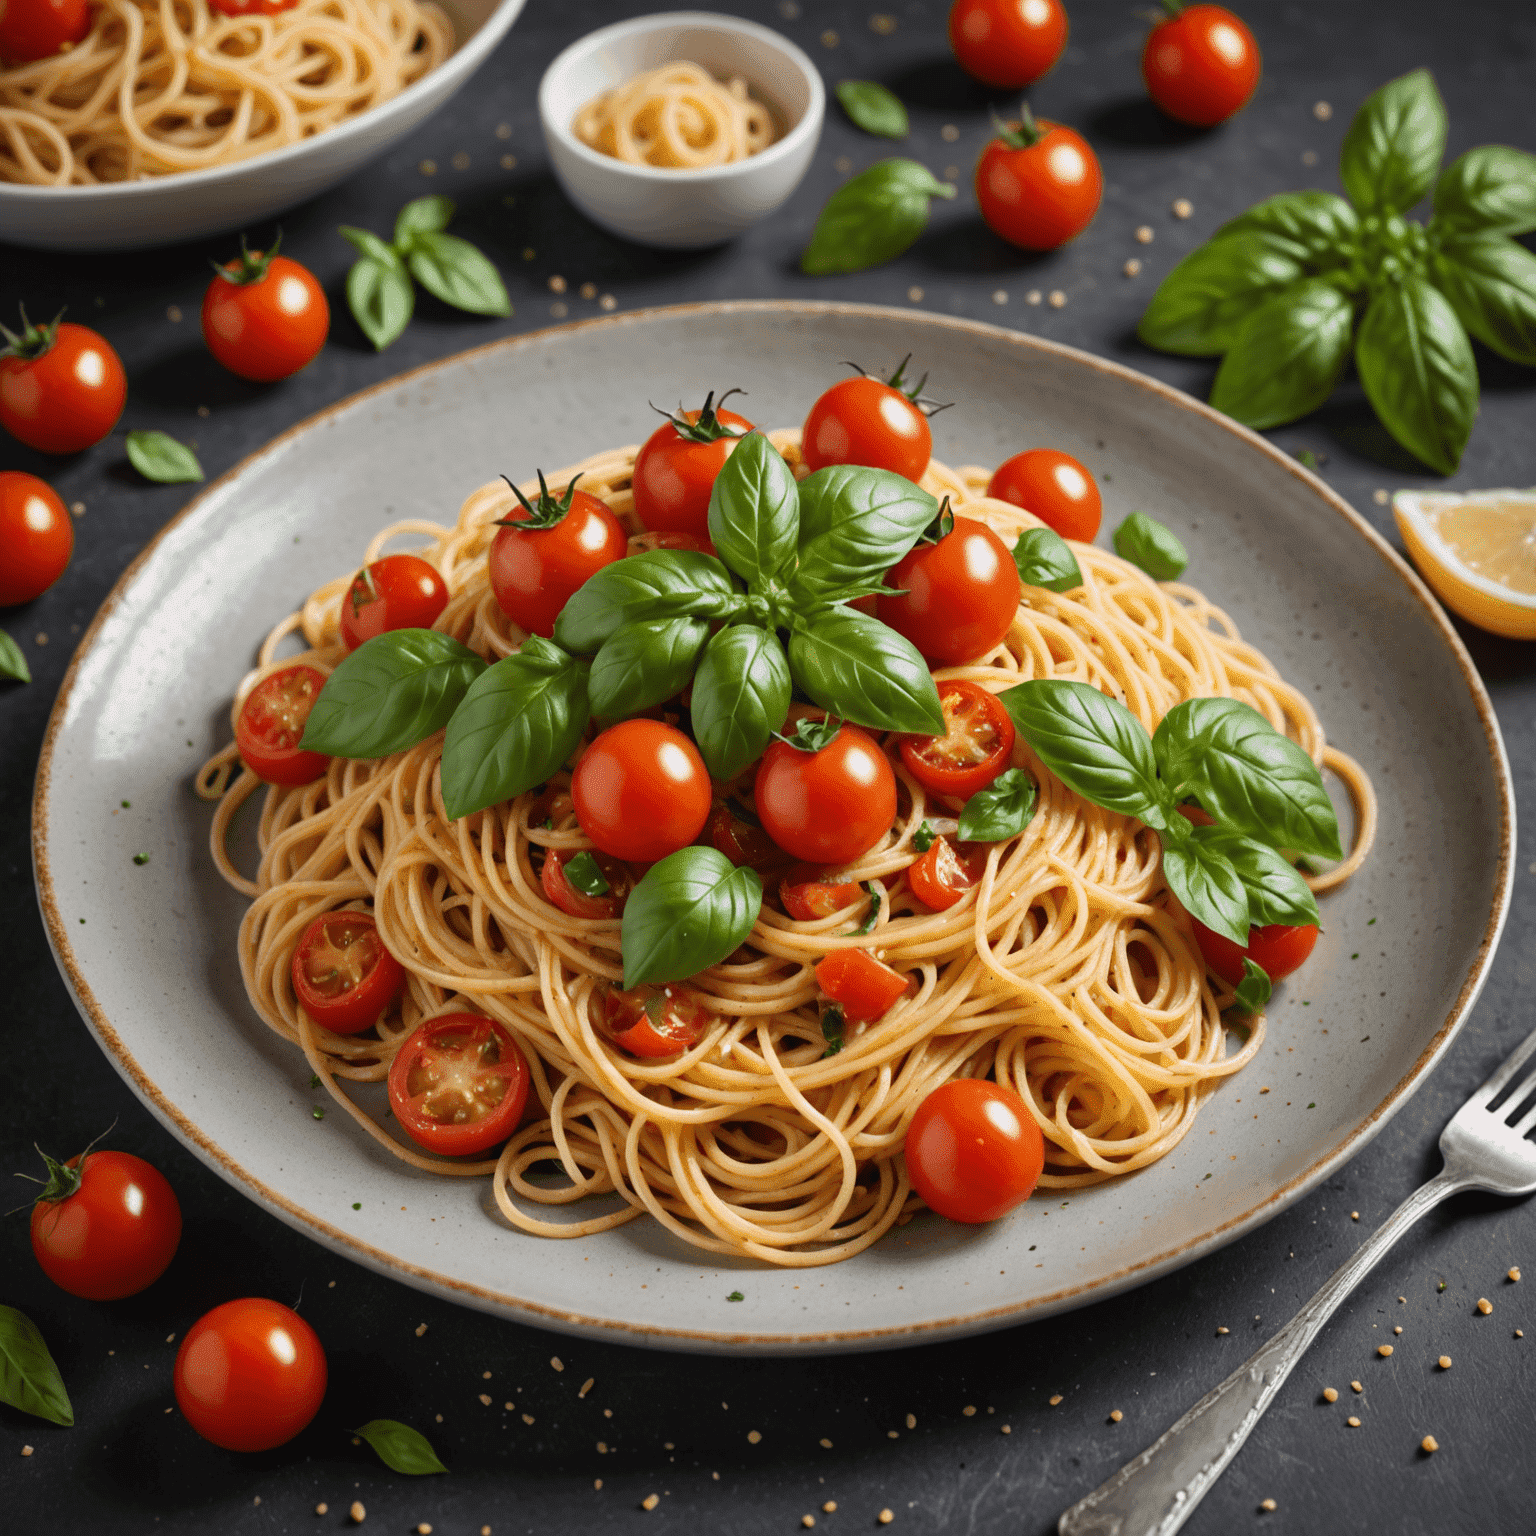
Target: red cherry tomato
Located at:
point(576, 903)
point(397, 592)
point(252, 7)
point(655, 1022)
point(826, 807)
point(545, 553)
point(271, 723)
point(1202, 65)
point(38, 29)
point(1279, 948)
point(742, 843)
point(865, 421)
point(643, 543)
point(264, 317)
point(675, 469)
point(342, 973)
point(863, 987)
point(62, 387)
point(807, 899)
point(641, 791)
point(946, 872)
point(1007, 43)
point(458, 1085)
point(1039, 186)
point(976, 747)
point(36, 535)
point(961, 596)
point(105, 1229)
point(1055, 487)
point(973, 1150)
point(250, 1374)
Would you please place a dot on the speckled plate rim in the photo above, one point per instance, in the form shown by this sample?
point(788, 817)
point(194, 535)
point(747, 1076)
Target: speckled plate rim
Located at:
point(723, 1341)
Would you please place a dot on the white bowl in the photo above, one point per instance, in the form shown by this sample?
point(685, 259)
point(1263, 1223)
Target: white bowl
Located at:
point(162, 209)
point(682, 208)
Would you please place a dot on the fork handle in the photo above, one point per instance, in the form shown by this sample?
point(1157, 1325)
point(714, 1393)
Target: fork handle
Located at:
point(1157, 1492)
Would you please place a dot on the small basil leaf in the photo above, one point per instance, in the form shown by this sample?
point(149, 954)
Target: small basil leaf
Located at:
point(457, 273)
point(1491, 284)
point(1146, 543)
point(423, 216)
point(519, 722)
point(854, 667)
point(1276, 891)
point(741, 695)
point(1254, 990)
point(659, 584)
point(1488, 190)
point(1201, 305)
point(29, 1380)
point(400, 1448)
point(1394, 145)
point(868, 925)
point(380, 296)
point(583, 872)
point(923, 838)
point(1416, 365)
point(1208, 888)
point(12, 663)
point(391, 692)
point(873, 218)
point(812, 735)
point(160, 457)
point(370, 246)
point(645, 664)
point(832, 1030)
point(873, 108)
point(1000, 811)
point(1045, 559)
point(1318, 229)
point(687, 913)
point(855, 524)
point(754, 516)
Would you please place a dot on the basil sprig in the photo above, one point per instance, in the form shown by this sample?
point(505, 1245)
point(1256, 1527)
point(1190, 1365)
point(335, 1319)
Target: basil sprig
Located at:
point(873, 108)
point(400, 1448)
point(1045, 559)
point(741, 695)
point(29, 1379)
point(1000, 811)
point(13, 664)
point(1146, 543)
point(1290, 288)
point(585, 874)
point(689, 912)
point(159, 457)
point(644, 664)
point(659, 584)
point(1254, 990)
point(873, 218)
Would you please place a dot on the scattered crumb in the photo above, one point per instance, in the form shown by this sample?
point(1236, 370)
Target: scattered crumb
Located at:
point(508, 1407)
point(1354, 1215)
point(527, 1418)
point(503, 130)
point(1268, 1506)
point(357, 1512)
point(1322, 111)
point(602, 1447)
point(41, 638)
point(1519, 1333)
point(830, 1507)
point(322, 1508)
point(607, 302)
point(951, 173)
point(485, 1397)
point(1356, 1387)
point(969, 1410)
point(597, 1484)
point(1000, 296)
point(1484, 1305)
point(421, 1329)
point(1398, 1329)
point(915, 294)
point(807, 1521)
point(1054, 1400)
point(829, 38)
point(78, 507)
point(1033, 296)
point(586, 1386)
point(1115, 1416)
point(26, 1450)
point(508, 162)
point(1380, 497)
point(529, 253)
point(885, 1517)
point(1057, 300)
point(1353, 1422)
point(173, 314)
point(428, 167)
point(1514, 1275)
point(1132, 267)
point(1309, 157)
point(754, 1436)
point(1182, 208)
point(460, 160)
point(650, 1501)
point(891, 1434)
point(1223, 1330)
point(842, 165)
point(825, 1444)
point(1145, 234)
point(882, 24)
point(1330, 1394)
point(424, 1528)
point(1005, 1429)
point(589, 290)
point(557, 284)
point(911, 1421)
point(949, 133)
point(1444, 1362)
point(1429, 1445)
point(1383, 1350)
point(556, 1363)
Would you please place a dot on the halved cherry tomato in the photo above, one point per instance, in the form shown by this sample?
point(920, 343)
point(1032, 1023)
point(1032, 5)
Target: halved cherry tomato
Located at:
point(62, 387)
point(864, 987)
point(264, 317)
point(807, 899)
point(397, 592)
point(1007, 43)
point(976, 748)
point(742, 843)
point(655, 1022)
point(1055, 487)
point(1038, 185)
point(961, 594)
point(1201, 65)
point(644, 543)
point(459, 1084)
point(973, 1150)
point(946, 872)
point(641, 791)
point(250, 1374)
point(36, 535)
point(38, 29)
point(1279, 948)
point(577, 903)
point(271, 723)
point(676, 467)
point(871, 422)
point(826, 807)
point(342, 973)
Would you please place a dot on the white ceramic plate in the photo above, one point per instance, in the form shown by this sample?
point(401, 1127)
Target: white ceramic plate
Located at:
point(148, 951)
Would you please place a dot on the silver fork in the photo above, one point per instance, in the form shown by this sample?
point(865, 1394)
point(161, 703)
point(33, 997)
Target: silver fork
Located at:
point(1484, 1148)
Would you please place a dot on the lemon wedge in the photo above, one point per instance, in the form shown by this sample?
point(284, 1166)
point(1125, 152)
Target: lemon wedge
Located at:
point(1477, 550)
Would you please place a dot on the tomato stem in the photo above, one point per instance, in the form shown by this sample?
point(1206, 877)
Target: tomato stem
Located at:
point(547, 513)
point(34, 341)
point(1175, 8)
point(246, 268)
point(708, 428)
point(1026, 135)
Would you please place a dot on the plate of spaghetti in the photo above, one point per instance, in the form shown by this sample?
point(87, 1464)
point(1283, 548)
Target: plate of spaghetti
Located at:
point(712, 891)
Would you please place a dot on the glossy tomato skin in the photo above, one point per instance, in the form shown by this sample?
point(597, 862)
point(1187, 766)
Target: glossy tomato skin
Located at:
point(673, 476)
point(977, 746)
point(1279, 948)
point(271, 723)
point(863, 421)
point(830, 806)
point(38, 29)
point(655, 1022)
point(808, 898)
point(1043, 196)
point(863, 987)
point(250, 1374)
point(641, 791)
point(115, 1235)
point(535, 571)
point(961, 594)
point(251, 7)
point(574, 903)
point(1202, 65)
point(397, 592)
point(1055, 487)
point(68, 397)
point(268, 328)
point(940, 877)
point(742, 843)
point(973, 1150)
point(459, 1084)
point(1007, 43)
point(342, 973)
point(36, 535)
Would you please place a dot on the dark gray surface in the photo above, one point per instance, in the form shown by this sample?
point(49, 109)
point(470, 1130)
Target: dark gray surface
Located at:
point(128, 1465)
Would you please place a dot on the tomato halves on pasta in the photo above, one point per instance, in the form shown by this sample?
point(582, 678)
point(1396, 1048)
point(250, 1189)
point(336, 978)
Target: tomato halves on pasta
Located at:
point(864, 987)
point(946, 872)
point(342, 973)
point(271, 724)
point(976, 746)
point(459, 1084)
point(655, 1022)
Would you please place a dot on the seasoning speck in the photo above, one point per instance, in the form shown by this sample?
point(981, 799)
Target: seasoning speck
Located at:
point(586, 1386)
point(1309, 157)
point(322, 1508)
point(829, 38)
point(1268, 1506)
point(556, 1363)
point(589, 290)
point(1398, 1329)
point(1322, 111)
point(807, 1521)
point(882, 24)
point(842, 165)
point(26, 1450)
point(1353, 1422)
point(999, 295)
point(1033, 296)
point(911, 1421)
point(428, 167)
point(1132, 267)
point(357, 1512)
point(485, 1397)
point(915, 294)
point(650, 1501)
point(557, 284)
point(1383, 1350)
point(1145, 234)
point(1354, 1215)
point(969, 1411)
point(1484, 1306)
point(173, 314)
point(421, 1328)
point(1444, 1362)
point(1182, 208)
point(825, 1444)
point(949, 133)
point(424, 1528)
point(1514, 1275)
point(607, 302)
point(1223, 1330)
point(1356, 1387)
point(754, 1436)
point(527, 1418)
point(78, 508)
point(830, 1507)
point(1057, 300)
point(1330, 1394)
point(1429, 1445)
point(1115, 1416)
point(1056, 1398)
point(885, 1517)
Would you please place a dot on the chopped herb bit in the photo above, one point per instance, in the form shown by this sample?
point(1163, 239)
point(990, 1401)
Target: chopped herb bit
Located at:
point(318, 1112)
point(735, 1296)
point(141, 858)
point(314, 1080)
point(923, 838)
point(357, 1205)
point(1312, 1105)
point(1367, 925)
point(832, 1030)
point(128, 805)
point(868, 925)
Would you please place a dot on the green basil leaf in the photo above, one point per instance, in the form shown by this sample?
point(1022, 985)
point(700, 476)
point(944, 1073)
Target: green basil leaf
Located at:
point(659, 584)
point(873, 218)
point(1254, 990)
point(741, 695)
point(1045, 559)
point(873, 108)
point(1491, 283)
point(1489, 190)
point(924, 837)
point(458, 273)
point(855, 667)
point(1393, 147)
point(1318, 229)
point(1276, 891)
point(1000, 811)
point(1146, 543)
point(422, 216)
point(12, 663)
point(1287, 356)
point(369, 245)
point(1416, 365)
point(158, 456)
point(1208, 888)
point(1200, 307)
point(868, 925)
point(1249, 776)
point(1093, 744)
point(812, 735)
point(754, 517)
point(832, 1030)
point(400, 1448)
point(644, 664)
point(380, 296)
point(687, 913)
point(29, 1380)
point(855, 524)
point(519, 722)
point(391, 692)
point(583, 872)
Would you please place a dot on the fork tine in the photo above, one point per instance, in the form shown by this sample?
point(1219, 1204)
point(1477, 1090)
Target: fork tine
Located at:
point(1517, 1058)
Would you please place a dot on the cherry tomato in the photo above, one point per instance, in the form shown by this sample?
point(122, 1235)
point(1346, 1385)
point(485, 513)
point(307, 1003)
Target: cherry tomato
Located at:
point(252, 7)
point(1038, 185)
point(946, 872)
point(675, 469)
point(863, 987)
point(1279, 948)
point(271, 722)
point(1007, 43)
point(1201, 65)
point(458, 1085)
point(655, 1022)
point(870, 422)
point(1055, 487)
point(397, 592)
point(62, 387)
point(742, 843)
point(641, 791)
point(38, 29)
point(973, 1150)
point(546, 553)
point(576, 903)
point(808, 899)
point(250, 1374)
point(105, 1228)
point(342, 973)
point(976, 747)
point(264, 317)
point(961, 594)
point(36, 535)
point(826, 807)
point(643, 543)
